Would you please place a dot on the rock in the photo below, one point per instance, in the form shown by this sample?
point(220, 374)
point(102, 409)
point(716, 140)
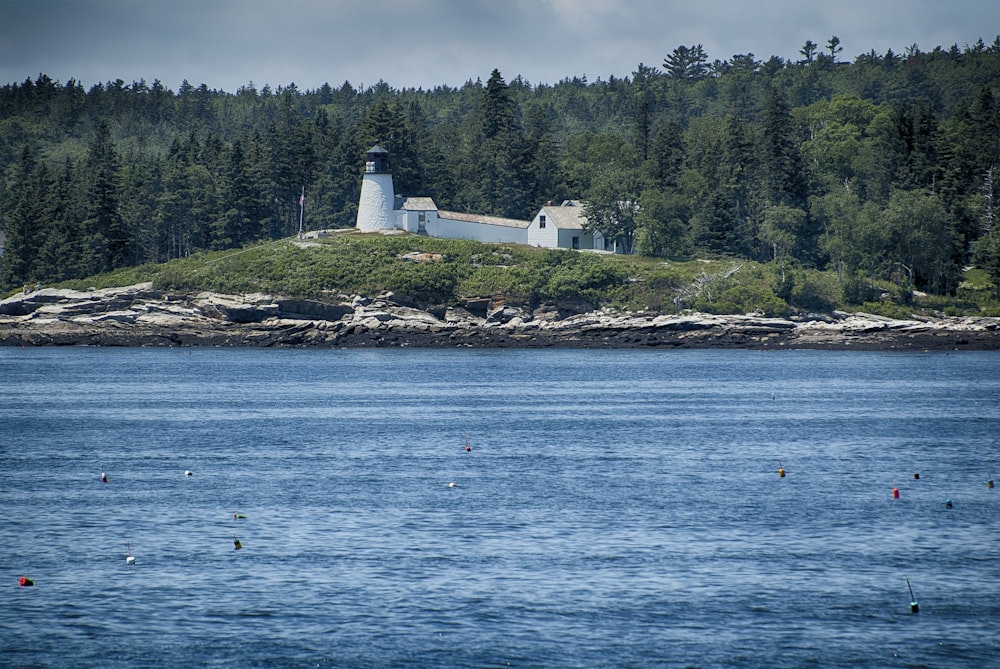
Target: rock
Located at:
point(504, 315)
point(463, 316)
point(477, 305)
point(312, 309)
point(140, 316)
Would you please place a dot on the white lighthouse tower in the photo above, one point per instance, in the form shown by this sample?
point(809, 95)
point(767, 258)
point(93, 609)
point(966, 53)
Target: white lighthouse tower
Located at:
point(375, 208)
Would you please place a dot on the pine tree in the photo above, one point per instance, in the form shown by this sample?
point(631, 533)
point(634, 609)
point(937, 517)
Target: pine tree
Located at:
point(106, 242)
point(22, 220)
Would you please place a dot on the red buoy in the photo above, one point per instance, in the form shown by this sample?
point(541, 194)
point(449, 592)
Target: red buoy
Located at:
point(24, 582)
point(895, 493)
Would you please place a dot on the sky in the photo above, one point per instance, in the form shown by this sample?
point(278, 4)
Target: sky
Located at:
point(227, 44)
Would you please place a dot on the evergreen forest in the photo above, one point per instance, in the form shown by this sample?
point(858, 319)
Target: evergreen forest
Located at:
point(880, 170)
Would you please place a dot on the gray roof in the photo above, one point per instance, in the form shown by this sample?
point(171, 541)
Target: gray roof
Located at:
point(566, 216)
point(416, 204)
point(487, 220)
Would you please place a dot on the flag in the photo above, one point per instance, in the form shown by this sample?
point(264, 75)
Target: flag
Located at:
point(302, 198)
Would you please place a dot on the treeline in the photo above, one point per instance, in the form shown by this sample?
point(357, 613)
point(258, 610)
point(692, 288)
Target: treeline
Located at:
point(881, 168)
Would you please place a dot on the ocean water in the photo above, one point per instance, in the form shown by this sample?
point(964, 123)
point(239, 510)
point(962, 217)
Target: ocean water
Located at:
point(617, 508)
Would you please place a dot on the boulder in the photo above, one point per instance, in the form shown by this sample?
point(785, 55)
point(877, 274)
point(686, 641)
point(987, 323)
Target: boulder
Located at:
point(312, 310)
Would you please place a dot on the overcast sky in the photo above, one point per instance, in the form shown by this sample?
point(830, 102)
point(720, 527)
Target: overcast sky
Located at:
point(426, 43)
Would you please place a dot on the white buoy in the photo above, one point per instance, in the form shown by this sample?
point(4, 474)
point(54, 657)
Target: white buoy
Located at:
point(130, 559)
point(452, 485)
point(188, 472)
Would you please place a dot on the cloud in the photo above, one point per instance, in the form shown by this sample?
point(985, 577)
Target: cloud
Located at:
point(426, 43)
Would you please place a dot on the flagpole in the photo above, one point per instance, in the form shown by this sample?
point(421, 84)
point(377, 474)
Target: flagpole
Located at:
point(302, 209)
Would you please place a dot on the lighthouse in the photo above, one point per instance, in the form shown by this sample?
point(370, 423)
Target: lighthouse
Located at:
point(375, 208)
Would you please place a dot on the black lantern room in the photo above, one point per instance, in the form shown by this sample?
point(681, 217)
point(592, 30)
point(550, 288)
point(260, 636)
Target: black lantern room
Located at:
point(377, 161)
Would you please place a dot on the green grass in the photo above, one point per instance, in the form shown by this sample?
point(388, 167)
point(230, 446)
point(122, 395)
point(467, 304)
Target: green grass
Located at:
point(357, 264)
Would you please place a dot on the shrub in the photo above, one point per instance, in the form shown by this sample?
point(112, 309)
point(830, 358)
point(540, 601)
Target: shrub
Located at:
point(744, 300)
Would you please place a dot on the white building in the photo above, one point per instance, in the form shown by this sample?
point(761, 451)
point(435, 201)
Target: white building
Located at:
point(381, 209)
point(563, 227)
point(421, 216)
point(375, 208)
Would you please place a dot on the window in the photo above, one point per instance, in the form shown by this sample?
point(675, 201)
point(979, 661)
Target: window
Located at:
point(541, 221)
point(422, 222)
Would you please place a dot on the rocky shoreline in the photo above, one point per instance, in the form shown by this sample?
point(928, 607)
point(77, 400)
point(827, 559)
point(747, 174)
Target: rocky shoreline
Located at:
point(142, 316)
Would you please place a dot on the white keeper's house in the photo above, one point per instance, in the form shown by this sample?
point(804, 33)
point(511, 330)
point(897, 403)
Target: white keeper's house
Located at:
point(554, 226)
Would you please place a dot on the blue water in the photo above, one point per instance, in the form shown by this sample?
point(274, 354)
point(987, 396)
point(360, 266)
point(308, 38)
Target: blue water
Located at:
point(618, 508)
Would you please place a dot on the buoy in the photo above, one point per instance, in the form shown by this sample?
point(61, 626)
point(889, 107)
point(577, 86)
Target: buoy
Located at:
point(914, 606)
point(452, 485)
point(781, 470)
point(895, 493)
point(916, 475)
point(468, 447)
point(989, 479)
point(104, 477)
point(188, 472)
point(237, 516)
point(948, 504)
point(129, 559)
point(236, 543)
point(25, 582)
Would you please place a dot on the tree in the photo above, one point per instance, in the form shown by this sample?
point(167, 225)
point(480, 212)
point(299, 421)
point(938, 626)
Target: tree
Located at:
point(544, 153)
point(921, 241)
point(106, 241)
point(783, 229)
point(809, 51)
point(833, 46)
point(781, 161)
point(665, 161)
point(612, 207)
point(687, 63)
point(24, 215)
point(987, 257)
point(662, 228)
point(838, 214)
point(498, 157)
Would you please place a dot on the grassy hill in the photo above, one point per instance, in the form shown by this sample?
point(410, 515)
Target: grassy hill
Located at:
point(349, 263)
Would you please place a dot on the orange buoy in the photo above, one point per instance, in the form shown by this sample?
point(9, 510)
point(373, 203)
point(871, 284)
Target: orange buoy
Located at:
point(25, 582)
point(781, 470)
point(895, 493)
point(236, 543)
